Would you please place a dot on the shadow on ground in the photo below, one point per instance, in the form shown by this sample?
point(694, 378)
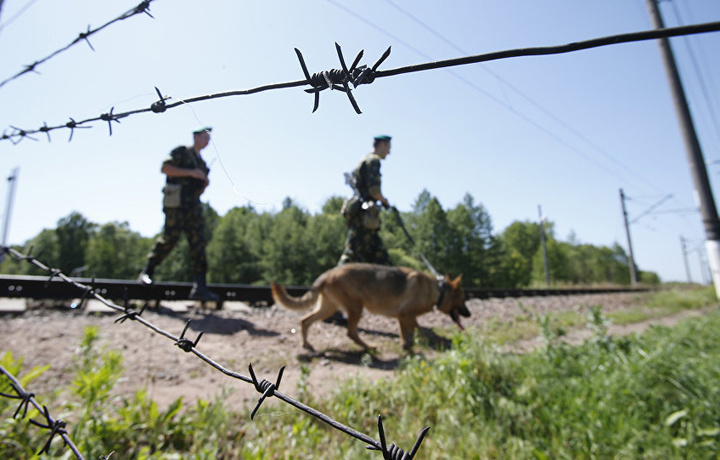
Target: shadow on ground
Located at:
point(210, 323)
point(425, 338)
point(353, 357)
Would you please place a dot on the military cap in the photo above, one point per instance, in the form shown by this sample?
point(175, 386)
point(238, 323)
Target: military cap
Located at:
point(383, 137)
point(202, 130)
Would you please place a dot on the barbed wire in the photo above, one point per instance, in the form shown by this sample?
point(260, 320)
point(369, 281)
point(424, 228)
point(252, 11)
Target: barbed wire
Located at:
point(143, 7)
point(56, 427)
point(264, 387)
point(342, 79)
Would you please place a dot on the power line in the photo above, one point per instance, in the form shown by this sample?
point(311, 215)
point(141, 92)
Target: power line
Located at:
point(19, 13)
point(527, 98)
point(700, 77)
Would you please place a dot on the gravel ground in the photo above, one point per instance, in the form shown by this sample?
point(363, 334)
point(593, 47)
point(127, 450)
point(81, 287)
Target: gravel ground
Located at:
point(267, 338)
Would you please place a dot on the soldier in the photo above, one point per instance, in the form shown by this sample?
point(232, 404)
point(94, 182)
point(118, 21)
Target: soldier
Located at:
point(363, 243)
point(187, 178)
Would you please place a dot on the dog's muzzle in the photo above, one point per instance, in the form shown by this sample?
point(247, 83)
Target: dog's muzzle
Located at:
point(455, 314)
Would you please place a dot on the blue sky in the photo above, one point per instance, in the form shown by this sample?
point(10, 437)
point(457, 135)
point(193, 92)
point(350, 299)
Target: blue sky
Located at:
point(565, 132)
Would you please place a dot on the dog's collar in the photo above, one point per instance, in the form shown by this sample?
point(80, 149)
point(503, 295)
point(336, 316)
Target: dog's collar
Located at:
point(442, 287)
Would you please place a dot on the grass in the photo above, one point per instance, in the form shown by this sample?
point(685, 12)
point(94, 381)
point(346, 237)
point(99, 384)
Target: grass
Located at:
point(666, 303)
point(649, 397)
point(652, 396)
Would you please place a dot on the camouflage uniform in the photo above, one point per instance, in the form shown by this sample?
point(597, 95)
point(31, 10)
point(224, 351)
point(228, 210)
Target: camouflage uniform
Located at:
point(363, 244)
point(188, 217)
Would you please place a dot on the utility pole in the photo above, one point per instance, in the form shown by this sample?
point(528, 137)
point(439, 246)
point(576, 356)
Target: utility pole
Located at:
point(684, 253)
point(631, 258)
point(544, 249)
point(12, 180)
point(693, 152)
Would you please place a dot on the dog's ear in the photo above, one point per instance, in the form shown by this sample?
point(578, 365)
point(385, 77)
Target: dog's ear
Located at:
point(456, 282)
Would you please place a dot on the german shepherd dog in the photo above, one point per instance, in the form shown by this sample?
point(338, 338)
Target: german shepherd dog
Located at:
point(398, 292)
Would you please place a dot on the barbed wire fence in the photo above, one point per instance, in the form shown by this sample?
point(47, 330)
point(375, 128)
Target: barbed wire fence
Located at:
point(336, 79)
point(353, 76)
point(55, 426)
point(143, 7)
point(266, 388)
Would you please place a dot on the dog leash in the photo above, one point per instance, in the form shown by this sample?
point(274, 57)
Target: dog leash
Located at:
point(442, 284)
point(399, 220)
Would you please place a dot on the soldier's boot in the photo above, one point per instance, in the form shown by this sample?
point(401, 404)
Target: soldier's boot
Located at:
point(200, 290)
point(146, 275)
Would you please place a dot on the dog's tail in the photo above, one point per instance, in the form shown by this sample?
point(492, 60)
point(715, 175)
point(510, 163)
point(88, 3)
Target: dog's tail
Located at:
point(285, 300)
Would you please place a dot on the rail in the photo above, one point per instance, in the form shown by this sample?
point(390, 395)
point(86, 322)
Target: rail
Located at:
point(42, 287)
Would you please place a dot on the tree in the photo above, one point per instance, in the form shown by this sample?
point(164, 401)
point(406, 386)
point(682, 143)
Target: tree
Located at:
point(73, 233)
point(432, 232)
point(473, 249)
point(285, 250)
point(44, 247)
point(558, 262)
point(521, 240)
point(115, 251)
point(231, 257)
point(325, 236)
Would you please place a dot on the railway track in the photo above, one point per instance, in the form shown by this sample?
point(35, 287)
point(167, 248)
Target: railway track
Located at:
point(46, 288)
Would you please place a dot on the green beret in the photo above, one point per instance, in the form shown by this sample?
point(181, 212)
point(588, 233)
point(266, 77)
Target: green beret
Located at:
point(202, 130)
point(383, 137)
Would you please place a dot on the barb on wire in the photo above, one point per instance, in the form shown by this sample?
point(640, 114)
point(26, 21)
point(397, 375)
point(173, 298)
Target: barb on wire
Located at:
point(19, 394)
point(56, 427)
point(187, 345)
point(340, 79)
point(266, 388)
point(394, 452)
point(159, 106)
point(143, 7)
point(72, 124)
point(130, 313)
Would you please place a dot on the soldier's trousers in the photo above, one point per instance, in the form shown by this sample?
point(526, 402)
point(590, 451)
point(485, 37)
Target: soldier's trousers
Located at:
point(364, 245)
point(178, 221)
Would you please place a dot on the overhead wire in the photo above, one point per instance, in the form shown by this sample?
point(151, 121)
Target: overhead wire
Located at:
point(17, 14)
point(477, 88)
point(504, 82)
point(543, 109)
point(699, 74)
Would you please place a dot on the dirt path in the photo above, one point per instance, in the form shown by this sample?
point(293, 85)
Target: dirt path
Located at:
point(267, 338)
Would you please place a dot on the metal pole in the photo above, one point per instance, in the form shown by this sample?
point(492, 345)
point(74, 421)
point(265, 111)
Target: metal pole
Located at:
point(693, 151)
point(544, 249)
point(12, 180)
point(631, 258)
point(684, 253)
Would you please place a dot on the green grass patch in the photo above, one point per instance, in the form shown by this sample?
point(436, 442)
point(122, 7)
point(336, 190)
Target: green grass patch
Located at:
point(677, 299)
point(635, 315)
point(666, 303)
point(654, 396)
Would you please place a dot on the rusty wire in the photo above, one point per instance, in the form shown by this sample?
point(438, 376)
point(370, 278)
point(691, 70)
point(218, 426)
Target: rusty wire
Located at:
point(143, 7)
point(341, 79)
point(264, 387)
point(56, 427)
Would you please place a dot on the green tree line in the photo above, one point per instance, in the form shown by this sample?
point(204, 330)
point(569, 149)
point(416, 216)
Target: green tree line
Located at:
point(293, 246)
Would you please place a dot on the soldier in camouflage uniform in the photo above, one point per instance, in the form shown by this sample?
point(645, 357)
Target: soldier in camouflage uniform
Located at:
point(187, 178)
point(363, 243)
